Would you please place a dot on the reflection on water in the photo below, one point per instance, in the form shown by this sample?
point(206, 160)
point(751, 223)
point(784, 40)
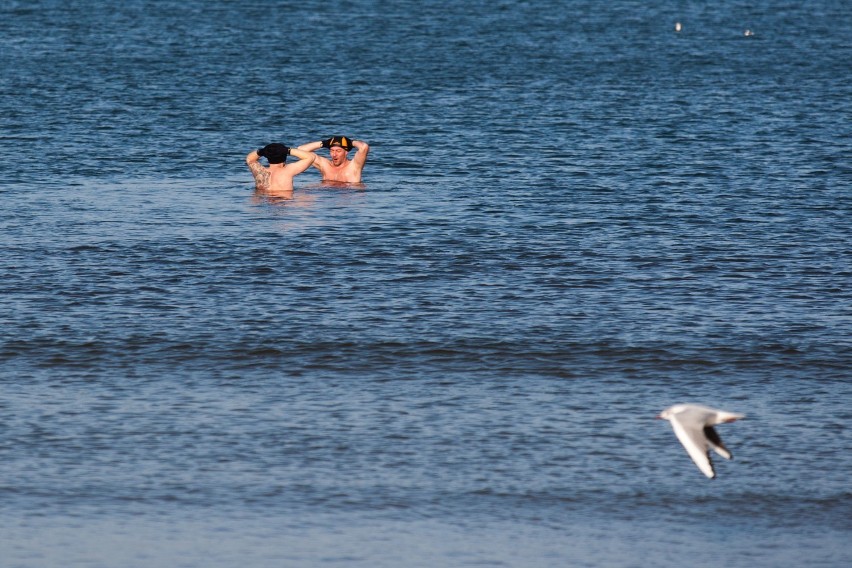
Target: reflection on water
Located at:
point(303, 195)
point(272, 196)
point(339, 185)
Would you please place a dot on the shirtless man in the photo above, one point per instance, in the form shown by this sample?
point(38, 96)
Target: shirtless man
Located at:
point(279, 175)
point(339, 168)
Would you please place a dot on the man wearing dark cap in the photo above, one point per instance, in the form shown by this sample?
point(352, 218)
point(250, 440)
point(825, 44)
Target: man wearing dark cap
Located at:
point(339, 168)
point(279, 175)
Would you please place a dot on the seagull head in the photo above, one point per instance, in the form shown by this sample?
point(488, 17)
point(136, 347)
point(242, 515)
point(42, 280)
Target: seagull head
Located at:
point(670, 411)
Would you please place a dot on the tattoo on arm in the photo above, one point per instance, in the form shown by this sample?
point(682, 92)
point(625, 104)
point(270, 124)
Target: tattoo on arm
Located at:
point(261, 175)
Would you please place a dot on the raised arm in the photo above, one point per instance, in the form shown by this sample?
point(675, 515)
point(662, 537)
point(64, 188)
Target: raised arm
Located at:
point(306, 158)
point(319, 161)
point(362, 150)
point(258, 172)
point(311, 146)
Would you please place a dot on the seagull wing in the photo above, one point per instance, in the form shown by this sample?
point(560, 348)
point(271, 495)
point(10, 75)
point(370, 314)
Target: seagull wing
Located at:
point(716, 442)
point(691, 435)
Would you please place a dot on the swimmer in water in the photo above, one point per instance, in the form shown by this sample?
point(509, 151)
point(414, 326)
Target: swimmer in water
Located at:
point(339, 167)
point(279, 175)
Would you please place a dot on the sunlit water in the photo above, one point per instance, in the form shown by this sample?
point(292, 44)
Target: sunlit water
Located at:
point(574, 216)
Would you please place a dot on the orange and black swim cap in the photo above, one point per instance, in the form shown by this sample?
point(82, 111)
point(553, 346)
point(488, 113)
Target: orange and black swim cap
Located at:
point(339, 141)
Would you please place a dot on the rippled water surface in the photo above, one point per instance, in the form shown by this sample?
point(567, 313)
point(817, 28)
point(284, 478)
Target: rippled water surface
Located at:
point(574, 216)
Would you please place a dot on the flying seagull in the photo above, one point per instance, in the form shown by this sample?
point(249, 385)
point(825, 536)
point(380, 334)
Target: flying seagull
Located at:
point(693, 426)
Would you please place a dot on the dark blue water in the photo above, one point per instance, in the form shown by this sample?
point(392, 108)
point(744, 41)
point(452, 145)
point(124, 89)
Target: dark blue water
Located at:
point(574, 216)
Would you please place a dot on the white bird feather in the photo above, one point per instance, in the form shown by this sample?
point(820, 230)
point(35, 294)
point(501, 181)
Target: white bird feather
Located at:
point(693, 426)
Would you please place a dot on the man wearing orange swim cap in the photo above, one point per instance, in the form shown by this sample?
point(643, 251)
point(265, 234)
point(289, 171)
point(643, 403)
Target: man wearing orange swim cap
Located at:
point(339, 167)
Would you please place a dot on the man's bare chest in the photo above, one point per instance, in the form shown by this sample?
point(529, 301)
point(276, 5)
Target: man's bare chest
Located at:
point(345, 172)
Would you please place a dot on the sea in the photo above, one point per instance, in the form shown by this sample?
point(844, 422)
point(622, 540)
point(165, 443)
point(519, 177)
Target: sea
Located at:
point(574, 214)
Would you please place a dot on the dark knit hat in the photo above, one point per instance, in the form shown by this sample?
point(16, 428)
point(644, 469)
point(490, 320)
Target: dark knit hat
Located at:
point(274, 153)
